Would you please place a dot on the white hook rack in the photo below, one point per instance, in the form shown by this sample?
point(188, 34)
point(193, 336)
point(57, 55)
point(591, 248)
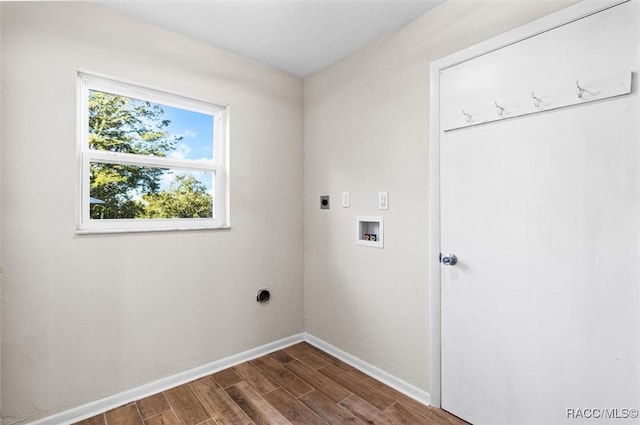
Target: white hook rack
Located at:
point(587, 91)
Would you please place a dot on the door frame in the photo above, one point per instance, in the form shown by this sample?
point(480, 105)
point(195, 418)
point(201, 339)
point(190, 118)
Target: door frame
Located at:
point(539, 26)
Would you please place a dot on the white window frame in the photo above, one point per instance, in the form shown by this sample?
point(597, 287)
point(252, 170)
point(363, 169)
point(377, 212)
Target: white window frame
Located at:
point(218, 167)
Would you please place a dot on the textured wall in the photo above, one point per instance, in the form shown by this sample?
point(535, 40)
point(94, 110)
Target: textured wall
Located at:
point(84, 317)
point(366, 130)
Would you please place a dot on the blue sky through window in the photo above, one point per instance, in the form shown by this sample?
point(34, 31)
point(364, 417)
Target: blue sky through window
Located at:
point(196, 130)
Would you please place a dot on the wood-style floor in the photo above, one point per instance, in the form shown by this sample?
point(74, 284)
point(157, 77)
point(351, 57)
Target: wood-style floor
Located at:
point(297, 385)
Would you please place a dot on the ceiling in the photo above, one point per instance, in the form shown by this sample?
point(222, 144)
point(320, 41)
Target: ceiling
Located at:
point(297, 36)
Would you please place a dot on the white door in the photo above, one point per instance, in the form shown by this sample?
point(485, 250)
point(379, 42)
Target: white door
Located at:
point(541, 314)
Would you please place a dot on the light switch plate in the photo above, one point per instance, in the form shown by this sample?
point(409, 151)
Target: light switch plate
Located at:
point(346, 199)
point(383, 200)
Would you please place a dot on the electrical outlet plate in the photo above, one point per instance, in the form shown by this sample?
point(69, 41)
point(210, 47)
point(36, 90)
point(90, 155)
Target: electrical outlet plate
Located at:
point(383, 200)
point(324, 202)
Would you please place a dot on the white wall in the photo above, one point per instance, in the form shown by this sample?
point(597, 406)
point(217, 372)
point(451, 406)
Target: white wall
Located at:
point(366, 127)
point(87, 317)
point(84, 317)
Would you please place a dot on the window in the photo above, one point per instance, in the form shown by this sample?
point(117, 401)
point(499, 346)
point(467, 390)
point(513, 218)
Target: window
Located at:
point(149, 160)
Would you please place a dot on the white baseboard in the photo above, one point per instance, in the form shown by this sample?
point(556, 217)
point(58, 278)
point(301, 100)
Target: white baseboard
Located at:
point(96, 407)
point(371, 370)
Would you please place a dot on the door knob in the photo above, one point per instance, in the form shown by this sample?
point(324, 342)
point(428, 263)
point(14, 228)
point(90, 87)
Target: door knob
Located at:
point(450, 260)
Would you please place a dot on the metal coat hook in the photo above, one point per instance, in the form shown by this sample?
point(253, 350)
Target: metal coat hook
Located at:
point(537, 102)
point(467, 117)
point(581, 91)
point(500, 110)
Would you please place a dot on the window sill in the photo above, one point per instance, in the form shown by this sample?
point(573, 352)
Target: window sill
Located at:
point(82, 232)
